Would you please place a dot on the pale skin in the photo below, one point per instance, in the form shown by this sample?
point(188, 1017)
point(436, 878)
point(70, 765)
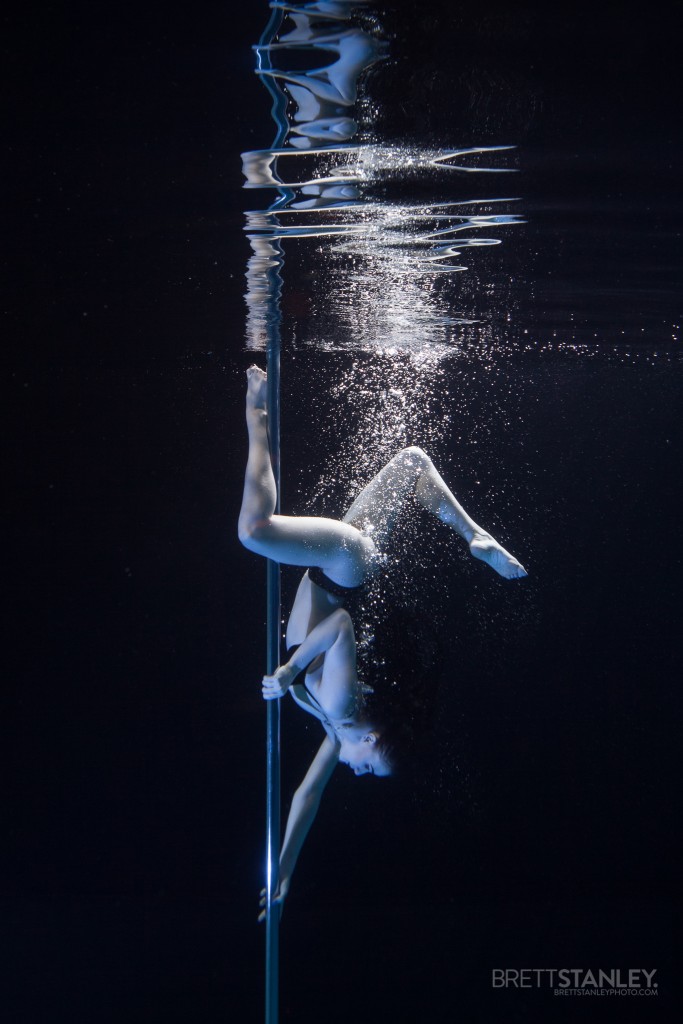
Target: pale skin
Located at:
point(348, 553)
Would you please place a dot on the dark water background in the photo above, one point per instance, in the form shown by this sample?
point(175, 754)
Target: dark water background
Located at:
point(541, 829)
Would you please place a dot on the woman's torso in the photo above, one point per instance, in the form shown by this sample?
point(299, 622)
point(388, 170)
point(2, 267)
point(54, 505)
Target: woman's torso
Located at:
point(312, 604)
point(304, 694)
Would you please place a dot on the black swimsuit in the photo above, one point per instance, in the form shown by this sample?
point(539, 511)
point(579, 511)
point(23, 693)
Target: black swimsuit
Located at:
point(318, 577)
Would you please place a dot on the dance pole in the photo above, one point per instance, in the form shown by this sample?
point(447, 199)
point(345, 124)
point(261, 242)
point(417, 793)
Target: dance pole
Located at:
point(274, 615)
point(273, 706)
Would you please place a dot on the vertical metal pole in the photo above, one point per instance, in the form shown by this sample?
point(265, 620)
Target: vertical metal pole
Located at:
point(273, 706)
point(274, 614)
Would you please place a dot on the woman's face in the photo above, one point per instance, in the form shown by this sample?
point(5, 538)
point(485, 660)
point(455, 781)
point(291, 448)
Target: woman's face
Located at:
point(363, 757)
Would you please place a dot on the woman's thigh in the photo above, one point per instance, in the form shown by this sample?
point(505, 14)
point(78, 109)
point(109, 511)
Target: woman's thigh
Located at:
point(378, 505)
point(337, 548)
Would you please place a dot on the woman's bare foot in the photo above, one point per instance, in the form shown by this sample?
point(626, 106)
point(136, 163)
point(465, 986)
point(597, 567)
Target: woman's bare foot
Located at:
point(488, 550)
point(256, 388)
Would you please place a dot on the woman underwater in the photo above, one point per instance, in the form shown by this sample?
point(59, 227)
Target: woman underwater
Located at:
point(339, 556)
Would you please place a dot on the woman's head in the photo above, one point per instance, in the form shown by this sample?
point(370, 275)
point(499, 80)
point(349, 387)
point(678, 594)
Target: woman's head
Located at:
point(365, 755)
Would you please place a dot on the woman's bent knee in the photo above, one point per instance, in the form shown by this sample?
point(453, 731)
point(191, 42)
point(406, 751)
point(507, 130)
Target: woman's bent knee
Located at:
point(414, 457)
point(342, 620)
point(253, 533)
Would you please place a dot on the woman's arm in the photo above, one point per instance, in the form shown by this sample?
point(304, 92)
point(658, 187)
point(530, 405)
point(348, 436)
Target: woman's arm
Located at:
point(305, 804)
point(332, 630)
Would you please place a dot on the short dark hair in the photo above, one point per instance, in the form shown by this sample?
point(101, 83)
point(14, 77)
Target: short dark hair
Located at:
point(399, 666)
point(396, 741)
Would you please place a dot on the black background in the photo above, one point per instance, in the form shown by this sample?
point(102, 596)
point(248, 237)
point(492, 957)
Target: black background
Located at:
point(135, 813)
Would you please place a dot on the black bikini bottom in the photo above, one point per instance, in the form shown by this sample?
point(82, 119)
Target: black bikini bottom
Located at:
point(318, 577)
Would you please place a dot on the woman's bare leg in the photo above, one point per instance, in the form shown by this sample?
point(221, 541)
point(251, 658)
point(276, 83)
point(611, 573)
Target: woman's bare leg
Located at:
point(412, 472)
point(260, 492)
point(336, 547)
